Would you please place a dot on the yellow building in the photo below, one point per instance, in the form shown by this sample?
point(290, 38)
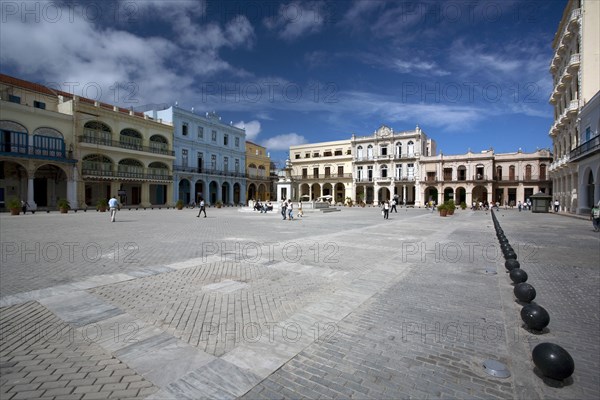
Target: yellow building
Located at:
point(322, 169)
point(37, 164)
point(122, 153)
point(258, 172)
point(58, 146)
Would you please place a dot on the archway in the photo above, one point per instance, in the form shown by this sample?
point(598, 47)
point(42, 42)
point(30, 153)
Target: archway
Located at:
point(262, 192)
point(448, 194)
point(199, 191)
point(14, 183)
point(327, 189)
point(340, 191)
point(479, 194)
point(461, 195)
point(252, 192)
point(184, 191)
point(236, 193)
point(383, 194)
point(316, 191)
point(225, 193)
point(369, 195)
point(431, 194)
point(49, 185)
point(213, 190)
point(589, 191)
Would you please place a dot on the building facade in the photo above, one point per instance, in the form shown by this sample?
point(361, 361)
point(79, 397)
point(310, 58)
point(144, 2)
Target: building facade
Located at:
point(122, 153)
point(587, 156)
point(37, 163)
point(386, 164)
point(506, 178)
point(405, 165)
point(574, 68)
point(210, 157)
point(258, 172)
point(322, 169)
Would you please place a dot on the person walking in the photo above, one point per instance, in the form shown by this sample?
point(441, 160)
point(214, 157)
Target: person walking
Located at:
point(386, 209)
point(113, 204)
point(202, 208)
point(595, 217)
point(283, 208)
point(394, 202)
point(290, 208)
point(519, 205)
point(556, 205)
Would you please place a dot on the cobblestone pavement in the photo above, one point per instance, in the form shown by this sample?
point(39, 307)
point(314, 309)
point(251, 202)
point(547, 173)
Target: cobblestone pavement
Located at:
point(163, 304)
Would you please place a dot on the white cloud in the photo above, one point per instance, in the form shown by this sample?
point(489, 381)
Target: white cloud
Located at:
point(297, 19)
point(252, 128)
point(283, 142)
point(418, 67)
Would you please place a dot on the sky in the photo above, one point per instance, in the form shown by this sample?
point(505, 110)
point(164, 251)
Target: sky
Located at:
point(472, 74)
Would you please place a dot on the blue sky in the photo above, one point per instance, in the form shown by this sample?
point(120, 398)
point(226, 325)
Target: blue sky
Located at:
point(472, 74)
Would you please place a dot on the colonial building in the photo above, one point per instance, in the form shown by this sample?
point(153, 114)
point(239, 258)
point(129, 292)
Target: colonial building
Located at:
point(574, 68)
point(387, 164)
point(405, 165)
point(210, 157)
point(487, 177)
point(322, 169)
point(37, 163)
point(258, 172)
point(587, 155)
point(122, 153)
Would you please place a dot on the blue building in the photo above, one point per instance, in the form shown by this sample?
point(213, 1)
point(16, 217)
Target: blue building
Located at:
point(210, 157)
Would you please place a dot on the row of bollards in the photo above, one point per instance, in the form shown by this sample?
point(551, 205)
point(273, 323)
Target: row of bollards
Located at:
point(551, 359)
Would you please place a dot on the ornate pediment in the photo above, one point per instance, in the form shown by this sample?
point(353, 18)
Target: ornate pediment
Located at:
point(384, 131)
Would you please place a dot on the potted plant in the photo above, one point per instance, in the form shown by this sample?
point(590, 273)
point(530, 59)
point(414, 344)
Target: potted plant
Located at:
point(450, 207)
point(349, 201)
point(14, 205)
point(102, 205)
point(442, 208)
point(463, 206)
point(219, 204)
point(179, 205)
point(63, 206)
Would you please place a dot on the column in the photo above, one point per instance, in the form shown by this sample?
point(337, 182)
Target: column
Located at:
point(30, 200)
point(376, 194)
point(145, 194)
point(404, 194)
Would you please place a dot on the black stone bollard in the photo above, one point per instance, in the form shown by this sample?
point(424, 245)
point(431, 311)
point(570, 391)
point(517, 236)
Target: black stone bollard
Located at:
point(553, 361)
point(535, 317)
point(511, 265)
point(524, 292)
point(510, 255)
point(517, 275)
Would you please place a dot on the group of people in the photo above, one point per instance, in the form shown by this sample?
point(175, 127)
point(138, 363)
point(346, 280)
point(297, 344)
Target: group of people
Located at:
point(264, 207)
point(287, 209)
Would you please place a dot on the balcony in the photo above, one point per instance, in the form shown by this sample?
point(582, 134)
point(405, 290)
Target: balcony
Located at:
point(41, 153)
point(570, 26)
point(560, 162)
point(390, 179)
point(156, 147)
point(321, 177)
point(517, 179)
point(588, 148)
point(209, 171)
point(92, 169)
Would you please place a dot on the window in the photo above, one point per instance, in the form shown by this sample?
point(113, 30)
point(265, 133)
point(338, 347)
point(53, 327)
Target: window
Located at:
point(200, 132)
point(542, 172)
point(200, 158)
point(184, 157)
point(411, 171)
point(398, 149)
point(528, 172)
point(184, 129)
point(297, 156)
point(14, 99)
point(225, 140)
point(327, 172)
point(384, 151)
point(340, 171)
point(307, 155)
point(237, 165)
point(398, 171)
point(370, 173)
point(327, 153)
point(359, 152)
point(370, 152)
point(511, 173)
point(213, 162)
point(588, 133)
point(447, 174)
point(359, 173)
point(498, 173)
point(304, 173)
point(338, 153)
point(384, 171)
point(39, 104)
point(225, 164)
point(237, 142)
point(411, 148)
point(431, 176)
point(315, 154)
point(214, 136)
point(316, 172)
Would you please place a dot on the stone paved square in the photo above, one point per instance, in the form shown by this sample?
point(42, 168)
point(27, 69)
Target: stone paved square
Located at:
point(162, 304)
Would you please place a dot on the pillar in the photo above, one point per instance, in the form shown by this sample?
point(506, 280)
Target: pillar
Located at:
point(30, 189)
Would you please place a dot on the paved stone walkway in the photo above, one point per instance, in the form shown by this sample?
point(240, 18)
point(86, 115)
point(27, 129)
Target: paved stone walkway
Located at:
point(162, 304)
